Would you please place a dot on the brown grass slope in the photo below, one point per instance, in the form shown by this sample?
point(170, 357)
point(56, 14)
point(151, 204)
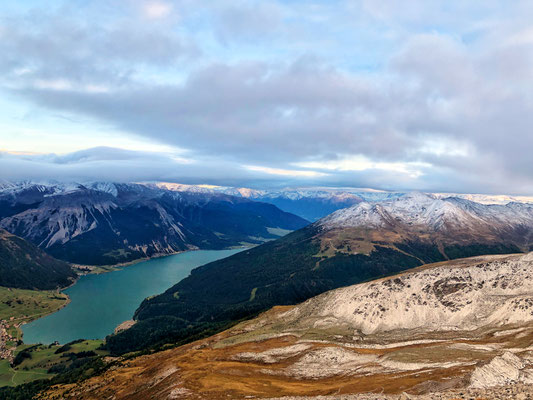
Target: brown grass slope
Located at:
point(289, 351)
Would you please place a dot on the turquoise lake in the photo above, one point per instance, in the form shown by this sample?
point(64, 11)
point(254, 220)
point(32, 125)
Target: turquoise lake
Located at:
point(101, 302)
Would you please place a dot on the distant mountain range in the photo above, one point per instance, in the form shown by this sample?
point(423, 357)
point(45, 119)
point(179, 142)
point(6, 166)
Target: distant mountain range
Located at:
point(23, 265)
point(308, 203)
point(315, 202)
point(362, 242)
point(107, 223)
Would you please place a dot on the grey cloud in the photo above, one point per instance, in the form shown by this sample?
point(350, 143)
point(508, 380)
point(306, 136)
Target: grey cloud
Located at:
point(58, 44)
point(118, 165)
point(256, 113)
point(249, 111)
point(468, 82)
point(94, 154)
point(244, 21)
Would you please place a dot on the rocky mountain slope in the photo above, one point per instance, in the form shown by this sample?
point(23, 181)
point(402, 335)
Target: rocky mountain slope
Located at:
point(363, 242)
point(23, 265)
point(108, 223)
point(450, 219)
point(441, 331)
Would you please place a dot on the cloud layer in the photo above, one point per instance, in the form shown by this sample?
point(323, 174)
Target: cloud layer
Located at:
point(406, 94)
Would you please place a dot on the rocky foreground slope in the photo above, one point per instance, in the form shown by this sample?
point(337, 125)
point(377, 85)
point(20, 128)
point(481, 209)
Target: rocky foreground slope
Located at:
point(457, 329)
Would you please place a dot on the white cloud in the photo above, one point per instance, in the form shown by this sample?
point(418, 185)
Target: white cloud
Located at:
point(284, 172)
point(157, 9)
point(362, 163)
point(53, 84)
point(446, 147)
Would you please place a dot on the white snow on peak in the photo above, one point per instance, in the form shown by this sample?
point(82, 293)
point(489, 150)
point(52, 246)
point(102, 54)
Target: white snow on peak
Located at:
point(179, 187)
point(430, 211)
point(106, 187)
point(292, 193)
point(488, 198)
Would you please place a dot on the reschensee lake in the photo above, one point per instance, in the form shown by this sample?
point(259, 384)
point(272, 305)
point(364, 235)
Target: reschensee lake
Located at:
point(101, 302)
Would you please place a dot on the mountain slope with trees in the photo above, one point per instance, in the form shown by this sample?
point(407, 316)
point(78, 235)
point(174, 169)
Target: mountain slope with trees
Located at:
point(25, 266)
point(360, 243)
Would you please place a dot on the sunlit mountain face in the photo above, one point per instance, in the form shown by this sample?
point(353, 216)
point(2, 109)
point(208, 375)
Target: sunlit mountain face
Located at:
point(259, 199)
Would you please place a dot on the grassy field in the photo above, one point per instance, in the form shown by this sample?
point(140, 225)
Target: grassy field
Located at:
point(42, 358)
point(20, 305)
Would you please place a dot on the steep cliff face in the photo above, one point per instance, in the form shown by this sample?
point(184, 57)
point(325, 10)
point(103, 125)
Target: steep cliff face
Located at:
point(107, 223)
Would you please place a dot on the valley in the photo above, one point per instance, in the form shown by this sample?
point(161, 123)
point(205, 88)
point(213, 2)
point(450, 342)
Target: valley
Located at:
point(128, 222)
point(100, 302)
point(266, 200)
point(379, 330)
point(458, 328)
point(90, 309)
point(104, 224)
point(352, 245)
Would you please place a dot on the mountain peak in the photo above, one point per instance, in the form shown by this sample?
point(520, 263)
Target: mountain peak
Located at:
point(426, 210)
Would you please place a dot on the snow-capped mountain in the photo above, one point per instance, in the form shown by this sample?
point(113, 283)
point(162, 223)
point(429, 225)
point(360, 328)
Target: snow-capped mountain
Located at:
point(488, 198)
point(309, 203)
point(316, 202)
point(418, 213)
point(52, 214)
point(106, 223)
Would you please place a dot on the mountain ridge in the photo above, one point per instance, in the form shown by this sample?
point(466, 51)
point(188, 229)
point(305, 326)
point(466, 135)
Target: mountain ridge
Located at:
point(325, 256)
point(124, 222)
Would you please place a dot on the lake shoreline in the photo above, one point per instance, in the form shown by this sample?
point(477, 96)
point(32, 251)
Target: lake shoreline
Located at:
point(83, 270)
point(16, 322)
point(103, 269)
point(80, 268)
point(104, 301)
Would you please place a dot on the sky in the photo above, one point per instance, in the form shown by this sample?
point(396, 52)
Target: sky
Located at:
point(395, 94)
